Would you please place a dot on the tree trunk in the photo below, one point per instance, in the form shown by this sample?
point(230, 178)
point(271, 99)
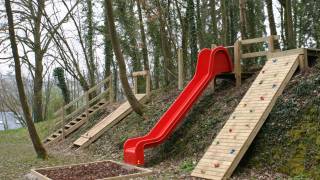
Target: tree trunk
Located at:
point(192, 35)
point(40, 150)
point(225, 22)
point(272, 24)
point(199, 26)
point(136, 106)
point(38, 55)
point(89, 41)
point(214, 24)
point(242, 7)
point(108, 54)
point(144, 39)
point(289, 25)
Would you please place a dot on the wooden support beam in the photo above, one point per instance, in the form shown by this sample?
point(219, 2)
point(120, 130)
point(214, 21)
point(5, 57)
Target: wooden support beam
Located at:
point(139, 73)
point(237, 62)
point(135, 84)
point(254, 54)
point(148, 83)
point(180, 69)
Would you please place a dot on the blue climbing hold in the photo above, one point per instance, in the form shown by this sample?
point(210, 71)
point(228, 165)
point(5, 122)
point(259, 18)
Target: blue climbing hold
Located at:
point(232, 151)
point(274, 60)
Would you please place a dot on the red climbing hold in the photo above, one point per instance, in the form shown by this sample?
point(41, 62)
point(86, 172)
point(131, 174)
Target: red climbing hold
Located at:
point(230, 130)
point(216, 165)
point(261, 98)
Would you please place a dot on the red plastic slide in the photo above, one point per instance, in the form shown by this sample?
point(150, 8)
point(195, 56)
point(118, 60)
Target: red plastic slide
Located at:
point(210, 63)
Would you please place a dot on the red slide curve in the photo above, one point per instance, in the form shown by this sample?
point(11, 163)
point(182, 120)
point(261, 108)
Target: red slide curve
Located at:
point(210, 63)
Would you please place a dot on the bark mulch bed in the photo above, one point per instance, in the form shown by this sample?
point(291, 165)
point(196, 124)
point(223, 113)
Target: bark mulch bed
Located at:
point(90, 171)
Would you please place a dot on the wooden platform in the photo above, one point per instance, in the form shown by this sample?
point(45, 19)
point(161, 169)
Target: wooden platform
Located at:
point(95, 132)
point(229, 146)
point(75, 124)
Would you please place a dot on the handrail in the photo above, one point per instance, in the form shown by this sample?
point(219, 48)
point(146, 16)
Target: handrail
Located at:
point(94, 88)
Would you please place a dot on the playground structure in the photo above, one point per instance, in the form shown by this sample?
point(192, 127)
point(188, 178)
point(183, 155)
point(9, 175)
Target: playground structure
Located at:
point(210, 63)
point(226, 151)
point(83, 107)
point(229, 146)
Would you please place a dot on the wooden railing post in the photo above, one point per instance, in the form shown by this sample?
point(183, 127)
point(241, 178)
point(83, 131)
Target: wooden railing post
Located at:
point(87, 105)
point(135, 85)
point(180, 69)
point(237, 62)
point(148, 83)
point(111, 90)
point(271, 43)
point(63, 124)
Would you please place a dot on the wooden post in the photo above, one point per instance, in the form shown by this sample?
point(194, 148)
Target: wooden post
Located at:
point(135, 85)
point(271, 43)
point(148, 83)
point(237, 62)
point(180, 69)
point(302, 63)
point(305, 59)
point(87, 106)
point(111, 93)
point(63, 124)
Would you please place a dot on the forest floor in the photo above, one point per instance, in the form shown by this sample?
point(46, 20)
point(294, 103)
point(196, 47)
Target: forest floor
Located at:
point(288, 144)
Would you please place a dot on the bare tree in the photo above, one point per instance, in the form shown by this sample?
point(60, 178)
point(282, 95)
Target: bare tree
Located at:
point(136, 106)
point(37, 144)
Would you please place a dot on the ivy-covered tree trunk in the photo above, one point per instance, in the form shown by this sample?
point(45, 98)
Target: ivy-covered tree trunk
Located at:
point(199, 26)
point(192, 35)
point(89, 41)
point(58, 73)
point(289, 25)
point(37, 144)
point(136, 106)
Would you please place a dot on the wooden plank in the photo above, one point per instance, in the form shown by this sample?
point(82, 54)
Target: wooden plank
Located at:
point(258, 40)
point(254, 54)
point(242, 126)
point(96, 131)
point(139, 73)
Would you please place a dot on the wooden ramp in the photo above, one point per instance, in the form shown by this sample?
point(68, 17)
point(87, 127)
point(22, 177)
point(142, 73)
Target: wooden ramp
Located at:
point(229, 146)
point(95, 132)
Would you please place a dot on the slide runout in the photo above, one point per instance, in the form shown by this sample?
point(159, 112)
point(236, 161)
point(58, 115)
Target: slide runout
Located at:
point(210, 63)
point(229, 146)
point(106, 123)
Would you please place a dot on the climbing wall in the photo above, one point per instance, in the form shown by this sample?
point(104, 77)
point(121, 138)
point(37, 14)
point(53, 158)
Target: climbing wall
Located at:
point(229, 146)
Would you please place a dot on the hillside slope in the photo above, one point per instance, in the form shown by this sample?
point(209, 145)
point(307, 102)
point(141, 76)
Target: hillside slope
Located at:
point(287, 145)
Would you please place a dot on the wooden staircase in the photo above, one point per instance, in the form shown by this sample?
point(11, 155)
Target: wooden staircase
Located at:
point(229, 146)
point(85, 108)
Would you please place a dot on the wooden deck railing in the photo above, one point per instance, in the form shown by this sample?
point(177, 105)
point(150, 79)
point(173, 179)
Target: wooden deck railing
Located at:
point(238, 55)
point(83, 103)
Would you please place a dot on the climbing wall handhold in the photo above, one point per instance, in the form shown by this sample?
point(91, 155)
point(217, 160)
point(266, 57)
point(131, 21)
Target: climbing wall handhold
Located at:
point(287, 63)
point(274, 60)
point(251, 110)
point(263, 71)
point(232, 151)
point(261, 82)
point(261, 98)
point(275, 75)
point(230, 130)
point(274, 85)
point(233, 117)
point(247, 125)
point(202, 171)
point(217, 142)
point(216, 164)
point(244, 105)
